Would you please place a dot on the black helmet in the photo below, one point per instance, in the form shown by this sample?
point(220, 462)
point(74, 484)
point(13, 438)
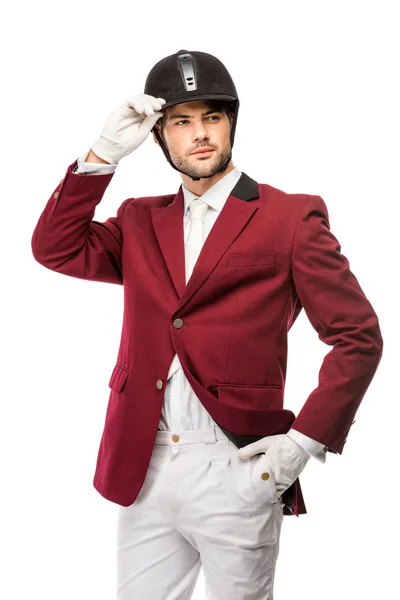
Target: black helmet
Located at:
point(191, 75)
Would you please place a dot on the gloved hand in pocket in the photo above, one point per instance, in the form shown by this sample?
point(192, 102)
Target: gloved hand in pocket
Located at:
point(286, 458)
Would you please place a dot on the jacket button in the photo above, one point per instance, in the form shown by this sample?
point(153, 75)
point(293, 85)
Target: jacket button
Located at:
point(175, 438)
point(178, 323)
point(159, 384)
point(265, 476)
point(56, 194)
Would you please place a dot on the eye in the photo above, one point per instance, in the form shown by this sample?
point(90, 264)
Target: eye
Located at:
point(209, 117)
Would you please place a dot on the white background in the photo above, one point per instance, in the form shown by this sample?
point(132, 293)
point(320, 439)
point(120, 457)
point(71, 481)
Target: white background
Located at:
point(318, 85)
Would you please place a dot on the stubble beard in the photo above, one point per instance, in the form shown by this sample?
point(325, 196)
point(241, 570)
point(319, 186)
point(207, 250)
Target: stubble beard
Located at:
point(203, 167)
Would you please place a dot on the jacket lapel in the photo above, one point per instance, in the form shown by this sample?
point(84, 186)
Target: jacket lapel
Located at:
point(168, 226)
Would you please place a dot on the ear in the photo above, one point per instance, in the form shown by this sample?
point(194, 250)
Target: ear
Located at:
point(155, 139)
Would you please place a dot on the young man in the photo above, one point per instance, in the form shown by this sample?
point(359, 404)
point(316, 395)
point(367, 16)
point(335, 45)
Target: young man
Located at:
point(214, 276)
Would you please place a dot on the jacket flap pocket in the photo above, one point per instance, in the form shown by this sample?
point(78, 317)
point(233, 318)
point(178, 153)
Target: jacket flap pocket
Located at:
point(254, 397)
point(118, 378)
point(252, 259)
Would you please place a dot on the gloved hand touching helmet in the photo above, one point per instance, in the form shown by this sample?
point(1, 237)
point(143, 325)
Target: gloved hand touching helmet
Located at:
point(127, 127)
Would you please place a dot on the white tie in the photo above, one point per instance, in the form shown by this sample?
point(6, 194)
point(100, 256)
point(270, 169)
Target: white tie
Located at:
point(193, 245)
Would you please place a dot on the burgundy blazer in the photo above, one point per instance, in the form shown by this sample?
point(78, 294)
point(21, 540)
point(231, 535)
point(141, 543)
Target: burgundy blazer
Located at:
point(268, 255)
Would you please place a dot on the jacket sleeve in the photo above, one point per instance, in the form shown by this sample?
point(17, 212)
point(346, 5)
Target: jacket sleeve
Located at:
point(339, 311)
point(66, 239)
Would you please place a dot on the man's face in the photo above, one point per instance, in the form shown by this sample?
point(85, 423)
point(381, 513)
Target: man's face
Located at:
point(190, 126)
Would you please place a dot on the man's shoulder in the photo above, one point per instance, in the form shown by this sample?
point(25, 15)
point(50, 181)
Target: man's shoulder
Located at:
point(147, 202)
point(269, 191)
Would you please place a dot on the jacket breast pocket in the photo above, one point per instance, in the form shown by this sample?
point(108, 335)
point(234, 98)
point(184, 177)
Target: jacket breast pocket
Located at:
point(251, 259)
point(118, 378)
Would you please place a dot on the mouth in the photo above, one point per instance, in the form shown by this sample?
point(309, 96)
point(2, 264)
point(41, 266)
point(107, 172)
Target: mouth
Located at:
point(205, 152)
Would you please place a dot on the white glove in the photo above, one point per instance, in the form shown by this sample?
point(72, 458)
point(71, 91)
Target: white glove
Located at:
point(286, 458)
point(127, 127)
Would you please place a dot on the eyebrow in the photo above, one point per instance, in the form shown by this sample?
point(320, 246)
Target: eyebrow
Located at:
point(176, 116)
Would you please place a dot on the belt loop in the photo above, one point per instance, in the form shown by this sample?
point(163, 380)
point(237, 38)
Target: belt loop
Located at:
point(214, 435)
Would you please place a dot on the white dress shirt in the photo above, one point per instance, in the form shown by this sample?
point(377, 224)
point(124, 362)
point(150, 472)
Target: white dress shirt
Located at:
point(182, 410)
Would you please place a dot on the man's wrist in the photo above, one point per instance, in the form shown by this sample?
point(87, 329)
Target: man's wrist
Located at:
point(93, 158)
point(314, 448)
point(299, 449)
point(92, 168)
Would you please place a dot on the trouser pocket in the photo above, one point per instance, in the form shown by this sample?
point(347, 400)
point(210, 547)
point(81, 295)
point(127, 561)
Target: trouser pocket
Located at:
point(251, 479)
point(262, 478)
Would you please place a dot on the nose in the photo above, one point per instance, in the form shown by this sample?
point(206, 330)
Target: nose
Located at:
point(200, 131)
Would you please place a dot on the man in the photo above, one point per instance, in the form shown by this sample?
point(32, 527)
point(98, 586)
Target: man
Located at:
point(214, 277)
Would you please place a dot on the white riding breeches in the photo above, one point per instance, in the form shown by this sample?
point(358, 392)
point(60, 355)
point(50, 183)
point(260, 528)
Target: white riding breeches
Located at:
point(201, 505)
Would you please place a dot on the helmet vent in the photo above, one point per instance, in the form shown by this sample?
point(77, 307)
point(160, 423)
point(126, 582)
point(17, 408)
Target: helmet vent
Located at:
point(188, 71)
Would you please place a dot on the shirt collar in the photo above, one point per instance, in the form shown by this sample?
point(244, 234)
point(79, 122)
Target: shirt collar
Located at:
point(217, 194)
